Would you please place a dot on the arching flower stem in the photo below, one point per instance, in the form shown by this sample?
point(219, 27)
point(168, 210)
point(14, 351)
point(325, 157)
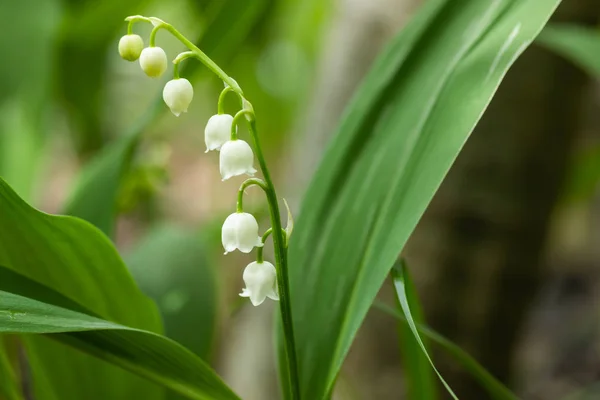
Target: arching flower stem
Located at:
point(210, 64)
point(247, 183)
point(259, 250)
point(279, 241)
point(180, 57)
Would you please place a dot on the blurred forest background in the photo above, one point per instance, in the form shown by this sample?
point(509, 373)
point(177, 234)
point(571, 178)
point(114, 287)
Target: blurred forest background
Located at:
point(506, 259)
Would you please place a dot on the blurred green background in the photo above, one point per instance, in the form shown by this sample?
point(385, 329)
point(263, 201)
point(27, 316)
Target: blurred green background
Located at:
point(505, 260)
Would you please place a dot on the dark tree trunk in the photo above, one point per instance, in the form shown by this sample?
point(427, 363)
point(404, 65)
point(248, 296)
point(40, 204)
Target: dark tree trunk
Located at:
point(485, 231)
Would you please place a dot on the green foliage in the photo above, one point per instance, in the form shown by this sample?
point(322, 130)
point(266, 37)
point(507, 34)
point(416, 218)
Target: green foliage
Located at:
point(95, 196)
point(75, 259)
point(495, 388)
point(406, 298)
point(25, 86)
point(90, 28)
point(9, 388)
point(145, 353)
point(417, 364)
point(399, 137)
point(584, 175)
point(63, 283)
point(579, 44)
point(171, 266)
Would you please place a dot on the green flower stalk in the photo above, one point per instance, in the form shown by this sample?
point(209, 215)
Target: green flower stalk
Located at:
point(240, 230)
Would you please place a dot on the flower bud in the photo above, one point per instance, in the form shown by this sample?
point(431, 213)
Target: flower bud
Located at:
point(178, 94)
point(130, 47)
point(261, 282)
point(217, 131)
point(240, 231)
point(153, 61)
point(236, 159)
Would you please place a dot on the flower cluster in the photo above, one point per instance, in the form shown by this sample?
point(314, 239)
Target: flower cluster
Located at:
point(240, 229)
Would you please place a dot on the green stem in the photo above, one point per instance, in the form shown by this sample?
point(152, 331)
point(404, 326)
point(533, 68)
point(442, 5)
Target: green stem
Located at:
point(259, 250)
point(210, 64)
point(246, 184)
point(285, 305)
point(153, 36)
point(220, 104)
point(236, 120)
point(180, 57)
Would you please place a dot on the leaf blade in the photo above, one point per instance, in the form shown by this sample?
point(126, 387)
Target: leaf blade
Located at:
point(579, 44)
point(401, 281)
point(495, 388)
point(75, 259)
point(144, 353)
point(396, 142)
point(421, 383)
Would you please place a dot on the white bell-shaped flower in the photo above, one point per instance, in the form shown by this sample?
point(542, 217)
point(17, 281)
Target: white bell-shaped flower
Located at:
point(217, 131)
point(178, 94)
point(240, 231)
point(153, 61)
point(261, 282)
point(236, 159)
point(130, 47)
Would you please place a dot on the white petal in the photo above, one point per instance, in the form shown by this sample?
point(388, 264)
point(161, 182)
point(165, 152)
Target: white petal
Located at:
point(130, 47)
point(178, 94)
point(228, 235)
point(274, 293)
point(217, 131)
point(239, 231)
point(247, 232)
point(153, 61)
point(236, 159)
point(259, 279)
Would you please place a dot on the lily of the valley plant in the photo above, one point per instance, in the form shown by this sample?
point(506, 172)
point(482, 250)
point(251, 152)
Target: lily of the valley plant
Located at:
point(240, 230)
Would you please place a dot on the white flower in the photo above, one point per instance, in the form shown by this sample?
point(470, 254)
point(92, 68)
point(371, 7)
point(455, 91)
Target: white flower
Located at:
point(261, 282)
point(236, 159)
point(240, 231)
point(153, 61)
point(130, 47)
point(217, 131)
point(178, 94)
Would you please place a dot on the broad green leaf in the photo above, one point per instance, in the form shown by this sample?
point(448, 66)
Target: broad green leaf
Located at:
point(75, 259)
point(401, 284)
point(72, 257)
point(144, 353)
point(494, 387)
point(421, 384)
point(578, 44)
point(397, 140)
point(171, 266)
